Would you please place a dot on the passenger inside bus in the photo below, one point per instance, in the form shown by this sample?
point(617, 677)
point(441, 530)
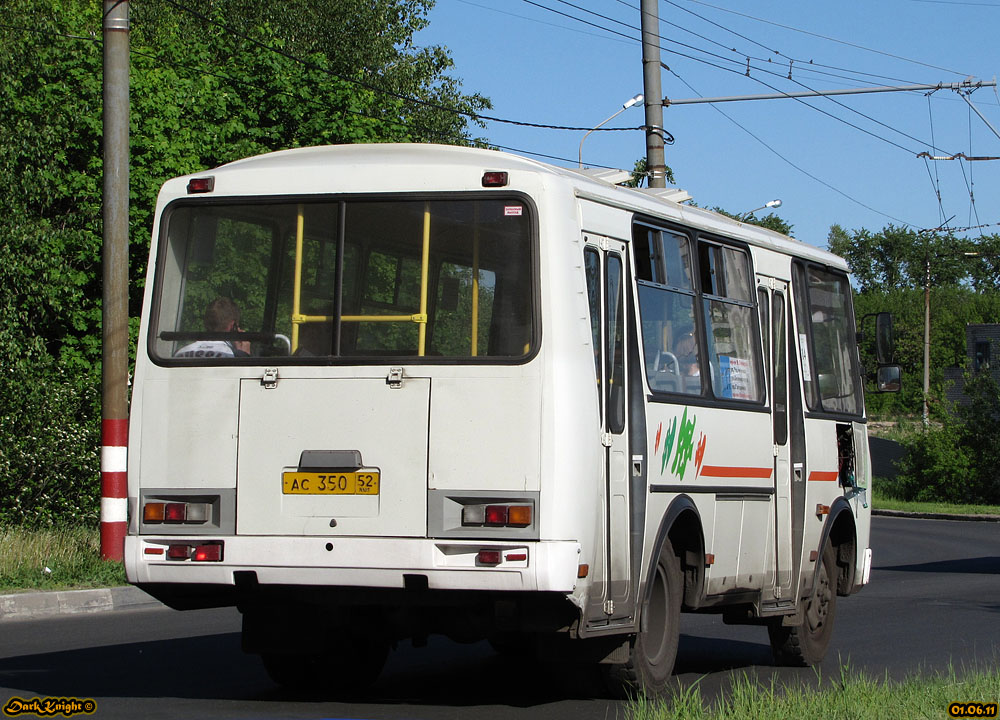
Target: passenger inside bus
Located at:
point(221, 316)
point(686, 350)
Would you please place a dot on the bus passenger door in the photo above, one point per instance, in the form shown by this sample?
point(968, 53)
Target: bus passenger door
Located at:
point(605, 269)
point(776, 319)
point(782, 464)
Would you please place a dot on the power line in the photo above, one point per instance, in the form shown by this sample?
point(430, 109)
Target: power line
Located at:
point(826, 37)
point(772, 87)
point(778, 52)
point(789, 162)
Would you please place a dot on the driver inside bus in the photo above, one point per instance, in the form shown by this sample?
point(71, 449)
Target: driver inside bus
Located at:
point(221, 316)
point(686, 350)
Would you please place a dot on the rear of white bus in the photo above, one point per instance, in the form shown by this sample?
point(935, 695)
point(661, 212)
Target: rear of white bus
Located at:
point(355, 456)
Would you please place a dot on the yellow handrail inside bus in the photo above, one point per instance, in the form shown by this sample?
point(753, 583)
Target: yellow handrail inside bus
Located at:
point(424, 266)
point(475, 282)
point(299, 319)
point(297, 283)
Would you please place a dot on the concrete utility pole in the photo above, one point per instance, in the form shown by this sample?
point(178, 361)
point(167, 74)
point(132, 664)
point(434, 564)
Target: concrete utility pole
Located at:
point(114, 369)
point(655, 161)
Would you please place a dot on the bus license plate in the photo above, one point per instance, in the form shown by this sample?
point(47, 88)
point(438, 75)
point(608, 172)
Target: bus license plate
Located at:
point(363, 482)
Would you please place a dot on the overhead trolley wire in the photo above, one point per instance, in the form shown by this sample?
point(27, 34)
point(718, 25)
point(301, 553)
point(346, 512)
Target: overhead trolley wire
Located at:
point(789, 162)
point(811, 63)
point(768, 72)
point(830, 39)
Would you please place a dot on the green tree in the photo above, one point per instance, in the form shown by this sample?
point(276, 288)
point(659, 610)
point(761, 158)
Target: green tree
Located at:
point(211, 82)
point(890, 271)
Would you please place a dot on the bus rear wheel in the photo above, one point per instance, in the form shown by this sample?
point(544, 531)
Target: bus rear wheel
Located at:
point(652, 651)
point(806, 643)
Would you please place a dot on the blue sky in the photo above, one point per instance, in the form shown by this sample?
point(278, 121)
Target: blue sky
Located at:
point(852, 160)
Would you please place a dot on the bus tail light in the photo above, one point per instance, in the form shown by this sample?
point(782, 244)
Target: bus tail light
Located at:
point(489, 557)
point(496, 515)
point(190, 513)
point(179, 552)
point(209, 552)
point(153, 512)
point(515, 516)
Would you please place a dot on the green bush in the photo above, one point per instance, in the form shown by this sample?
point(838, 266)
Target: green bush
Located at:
point(49, 459)
point(956, 459)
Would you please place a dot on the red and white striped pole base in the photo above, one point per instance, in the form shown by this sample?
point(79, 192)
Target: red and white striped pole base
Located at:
point(114, 488)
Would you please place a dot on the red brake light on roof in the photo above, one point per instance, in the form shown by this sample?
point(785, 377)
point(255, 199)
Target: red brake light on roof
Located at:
point(201, 185)
point(494, 178)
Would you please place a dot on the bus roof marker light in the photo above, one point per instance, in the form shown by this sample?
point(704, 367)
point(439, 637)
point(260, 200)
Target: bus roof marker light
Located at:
point(200, 185)
point(495, 178)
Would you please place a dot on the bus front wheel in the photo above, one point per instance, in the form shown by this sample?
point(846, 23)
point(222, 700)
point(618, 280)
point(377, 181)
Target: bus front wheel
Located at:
point(806, 643)
point(652, 651)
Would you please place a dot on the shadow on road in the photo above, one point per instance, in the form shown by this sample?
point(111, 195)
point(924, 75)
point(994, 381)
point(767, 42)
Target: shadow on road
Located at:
point(213, 667)
point(966, 566)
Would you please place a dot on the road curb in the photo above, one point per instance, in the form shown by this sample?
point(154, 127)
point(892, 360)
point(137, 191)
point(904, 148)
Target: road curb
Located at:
point(35, 605)
point(936, 516)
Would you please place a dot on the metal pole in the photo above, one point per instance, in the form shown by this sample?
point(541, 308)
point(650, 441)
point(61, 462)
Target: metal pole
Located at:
point(655, 161)
point(114, 369)
point(927, 337)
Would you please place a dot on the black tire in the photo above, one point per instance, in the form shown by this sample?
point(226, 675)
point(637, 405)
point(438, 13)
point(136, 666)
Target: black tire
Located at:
point(806, 644)
point(653, 650)
point(352, 665)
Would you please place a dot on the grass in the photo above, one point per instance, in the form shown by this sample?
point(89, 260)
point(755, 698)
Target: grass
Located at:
point(68, 558)
point(54, 559)
point(881, 502)
point(852, 695)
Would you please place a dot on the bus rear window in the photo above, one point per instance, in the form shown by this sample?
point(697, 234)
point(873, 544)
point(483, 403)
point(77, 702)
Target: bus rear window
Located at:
point(311, 281)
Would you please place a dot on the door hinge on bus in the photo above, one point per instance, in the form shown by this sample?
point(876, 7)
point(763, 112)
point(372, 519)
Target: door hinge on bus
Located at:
point(270, 379)
point(606, 439)
point(609, 607)
point(395, 378)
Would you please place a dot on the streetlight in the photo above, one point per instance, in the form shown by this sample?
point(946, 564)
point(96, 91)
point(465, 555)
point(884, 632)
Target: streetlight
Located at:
point(765, 206)
point(635, 99)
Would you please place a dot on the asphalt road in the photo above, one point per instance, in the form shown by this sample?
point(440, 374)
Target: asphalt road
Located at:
point(933, 603)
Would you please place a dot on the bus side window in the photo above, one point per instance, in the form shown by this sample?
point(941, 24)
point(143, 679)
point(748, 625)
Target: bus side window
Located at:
point(670, 336)
point(730, 323)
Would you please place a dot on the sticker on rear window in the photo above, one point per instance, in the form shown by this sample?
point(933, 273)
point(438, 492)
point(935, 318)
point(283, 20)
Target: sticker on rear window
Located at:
point(513, 210)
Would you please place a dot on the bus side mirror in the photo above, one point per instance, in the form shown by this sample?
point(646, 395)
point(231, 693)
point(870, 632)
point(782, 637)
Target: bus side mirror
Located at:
point(884, 340)
point(889, 378)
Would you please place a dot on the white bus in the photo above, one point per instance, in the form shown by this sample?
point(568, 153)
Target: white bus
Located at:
point(384, 391)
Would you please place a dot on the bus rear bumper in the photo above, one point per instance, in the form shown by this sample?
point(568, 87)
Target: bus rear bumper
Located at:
point(546, 566)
